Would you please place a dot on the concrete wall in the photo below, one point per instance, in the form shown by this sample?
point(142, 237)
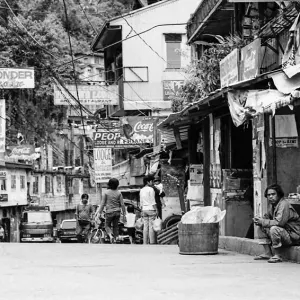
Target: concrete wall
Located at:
point(137, 53)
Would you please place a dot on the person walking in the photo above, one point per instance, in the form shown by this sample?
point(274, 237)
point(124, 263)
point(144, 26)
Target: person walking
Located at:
point(84, 216)
point(113, 202)
point(159, 195)
point(149, 210)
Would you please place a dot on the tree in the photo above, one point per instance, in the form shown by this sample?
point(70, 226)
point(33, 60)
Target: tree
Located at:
point(203, 75)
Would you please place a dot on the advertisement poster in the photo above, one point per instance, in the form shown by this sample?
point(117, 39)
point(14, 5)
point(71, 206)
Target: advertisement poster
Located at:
point(196, 174)
point(15, 78)
point(102, 164)
point(22, 152)
point(130, 132)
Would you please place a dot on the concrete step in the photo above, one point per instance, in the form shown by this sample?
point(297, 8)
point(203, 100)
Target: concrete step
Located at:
point(251, 247)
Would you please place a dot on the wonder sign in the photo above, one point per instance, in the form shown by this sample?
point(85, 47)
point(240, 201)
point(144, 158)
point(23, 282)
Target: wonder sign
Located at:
point(14, 78)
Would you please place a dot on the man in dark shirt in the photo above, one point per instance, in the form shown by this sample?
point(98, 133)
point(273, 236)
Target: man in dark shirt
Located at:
point(158, 195)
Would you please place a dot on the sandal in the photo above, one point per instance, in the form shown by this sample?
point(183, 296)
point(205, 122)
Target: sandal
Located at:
point(262, 257)
point(274, 260)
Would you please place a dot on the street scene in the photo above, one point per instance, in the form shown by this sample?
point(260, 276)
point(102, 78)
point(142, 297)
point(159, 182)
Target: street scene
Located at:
point(149, 148)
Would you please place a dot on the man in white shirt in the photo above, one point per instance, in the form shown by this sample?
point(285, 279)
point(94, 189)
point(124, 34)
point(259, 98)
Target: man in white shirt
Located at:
point(149, 210)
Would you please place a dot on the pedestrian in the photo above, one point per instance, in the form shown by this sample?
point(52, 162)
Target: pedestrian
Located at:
point(130, 223)
point(2, 234)
point(280, 227)
point(113, 203)
point(159, 195)
point(149, 210)
point(84, 216)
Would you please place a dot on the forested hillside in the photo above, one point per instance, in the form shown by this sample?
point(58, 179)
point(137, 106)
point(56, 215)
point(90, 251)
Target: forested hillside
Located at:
point(34, 33)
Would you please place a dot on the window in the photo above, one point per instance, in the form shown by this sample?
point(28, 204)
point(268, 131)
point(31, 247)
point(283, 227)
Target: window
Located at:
point(13, 181)
point(47, 185)
point(173, 42)
point(35, 186)
point(3, 184)
point(59, 183)
point(22, 182)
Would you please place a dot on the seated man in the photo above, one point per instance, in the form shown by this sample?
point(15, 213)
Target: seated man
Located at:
point(281, 227)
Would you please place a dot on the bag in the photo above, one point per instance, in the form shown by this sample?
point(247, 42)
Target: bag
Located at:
point(139, 224)
point(157, 224)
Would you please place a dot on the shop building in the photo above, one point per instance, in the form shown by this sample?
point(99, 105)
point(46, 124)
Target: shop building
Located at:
point(13, 197)
point(244, 135)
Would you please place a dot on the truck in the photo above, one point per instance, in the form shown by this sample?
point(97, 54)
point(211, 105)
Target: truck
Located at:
point(36, 224)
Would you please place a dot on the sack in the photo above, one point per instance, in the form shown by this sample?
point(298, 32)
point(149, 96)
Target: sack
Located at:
point(157, 224)
point(139, 224)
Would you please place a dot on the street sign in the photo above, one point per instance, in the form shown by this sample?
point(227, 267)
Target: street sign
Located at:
point(15, 78)
point(102, 164)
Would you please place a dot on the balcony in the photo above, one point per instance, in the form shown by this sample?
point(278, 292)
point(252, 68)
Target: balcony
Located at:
point(210, 18)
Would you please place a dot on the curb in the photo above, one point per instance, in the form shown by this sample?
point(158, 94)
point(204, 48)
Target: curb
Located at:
point(251, 247)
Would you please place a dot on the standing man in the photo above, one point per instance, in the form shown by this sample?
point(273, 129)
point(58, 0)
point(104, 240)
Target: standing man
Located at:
point(149, 210)
point(84, 216)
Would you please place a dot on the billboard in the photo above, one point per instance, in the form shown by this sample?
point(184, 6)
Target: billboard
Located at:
point(15, 78)
point(22, 152)
point(129, 132)
point(102, 164)
point(89, 95)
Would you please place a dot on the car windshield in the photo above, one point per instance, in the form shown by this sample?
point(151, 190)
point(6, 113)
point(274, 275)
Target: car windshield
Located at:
point(39, 217)
point(68, 225)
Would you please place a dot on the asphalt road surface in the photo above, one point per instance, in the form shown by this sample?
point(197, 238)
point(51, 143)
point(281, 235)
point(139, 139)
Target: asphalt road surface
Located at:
point(81, 271)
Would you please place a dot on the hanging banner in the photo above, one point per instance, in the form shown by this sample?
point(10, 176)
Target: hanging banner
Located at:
point(2, 128)
point(130, 132)
point(92, 95)
point(14, 78)
point(102, 164)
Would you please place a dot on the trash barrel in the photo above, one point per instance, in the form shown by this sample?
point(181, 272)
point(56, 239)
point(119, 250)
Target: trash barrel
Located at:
point(198, 238)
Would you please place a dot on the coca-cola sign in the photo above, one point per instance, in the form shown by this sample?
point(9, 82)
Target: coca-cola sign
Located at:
point(22, 152)
point(132, 132)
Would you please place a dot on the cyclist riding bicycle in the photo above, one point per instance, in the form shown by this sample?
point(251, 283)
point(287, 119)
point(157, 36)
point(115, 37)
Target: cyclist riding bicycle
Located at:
point(84, 216)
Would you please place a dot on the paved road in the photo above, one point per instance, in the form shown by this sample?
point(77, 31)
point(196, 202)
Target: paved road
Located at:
point(80, 271)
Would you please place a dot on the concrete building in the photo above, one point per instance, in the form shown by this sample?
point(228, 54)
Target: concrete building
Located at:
point(144, 54)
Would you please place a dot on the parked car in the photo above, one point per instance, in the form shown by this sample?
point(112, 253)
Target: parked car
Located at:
point(67, 231)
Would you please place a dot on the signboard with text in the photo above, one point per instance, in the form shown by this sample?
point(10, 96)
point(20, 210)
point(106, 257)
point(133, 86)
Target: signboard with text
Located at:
point(171, 88)
point(102, 164)
point(95, 95)
point(22, 152)
point(131, 132)
point(229, 69)
point(15, 78)
point(250, 60)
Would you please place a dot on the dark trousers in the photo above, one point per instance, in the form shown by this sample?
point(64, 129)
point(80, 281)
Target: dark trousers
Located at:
point(112, 223)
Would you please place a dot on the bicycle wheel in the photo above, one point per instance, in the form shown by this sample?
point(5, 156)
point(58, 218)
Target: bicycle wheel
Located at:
point(96, 237)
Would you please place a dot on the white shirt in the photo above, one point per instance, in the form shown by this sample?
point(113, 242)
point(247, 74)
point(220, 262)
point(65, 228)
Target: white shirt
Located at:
point(130, 220)
point(147, 198)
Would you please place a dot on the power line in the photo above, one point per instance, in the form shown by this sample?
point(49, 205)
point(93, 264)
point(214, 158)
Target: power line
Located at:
point(86, 17)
